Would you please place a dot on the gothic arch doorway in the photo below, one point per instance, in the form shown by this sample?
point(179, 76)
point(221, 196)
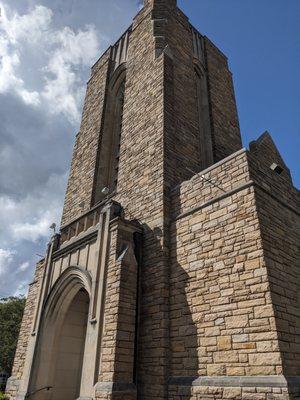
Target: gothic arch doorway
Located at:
point(61, 343)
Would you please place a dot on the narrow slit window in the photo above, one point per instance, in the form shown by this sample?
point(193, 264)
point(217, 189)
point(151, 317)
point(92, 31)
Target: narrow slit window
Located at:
point(109, 156)
point(204, 126)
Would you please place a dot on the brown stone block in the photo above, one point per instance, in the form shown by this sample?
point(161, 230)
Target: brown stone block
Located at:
point(224, 342)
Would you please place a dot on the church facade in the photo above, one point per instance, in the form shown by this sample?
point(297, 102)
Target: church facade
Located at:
point(176, 272)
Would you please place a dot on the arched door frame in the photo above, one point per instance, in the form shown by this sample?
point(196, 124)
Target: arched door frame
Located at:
point(72, 280)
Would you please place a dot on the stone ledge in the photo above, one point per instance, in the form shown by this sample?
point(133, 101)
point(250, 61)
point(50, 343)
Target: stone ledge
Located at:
point(113, 387)
point(274, 381)
point(84, 398)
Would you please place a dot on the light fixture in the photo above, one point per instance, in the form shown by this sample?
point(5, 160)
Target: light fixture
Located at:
point(81, 205)
point(105, 190)
point(276, 168)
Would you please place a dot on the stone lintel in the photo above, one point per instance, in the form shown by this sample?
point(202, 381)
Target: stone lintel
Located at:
point(274, 381)
point(113, 387)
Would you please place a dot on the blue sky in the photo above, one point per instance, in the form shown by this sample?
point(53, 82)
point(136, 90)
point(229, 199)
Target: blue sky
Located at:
point(46, 50)
point(261, 39)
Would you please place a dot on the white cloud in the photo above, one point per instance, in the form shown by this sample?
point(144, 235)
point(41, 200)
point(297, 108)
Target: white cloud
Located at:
point(29, 218)
point(64, 89)
point(28, 27)
point(9, 80)
point(26, 221)
point(64, 53)
point(24, 266)
point(30, 98)
point(34, 230)
point(6, 257)
point(14, 30)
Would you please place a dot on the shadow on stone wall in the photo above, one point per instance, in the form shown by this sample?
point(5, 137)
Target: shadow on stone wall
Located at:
point(168, 340)
point(183, 332)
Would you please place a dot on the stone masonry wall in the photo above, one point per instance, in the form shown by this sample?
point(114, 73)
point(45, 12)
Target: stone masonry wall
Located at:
point(119, 325)
point(235, 279)
point(222, 319)
point(228, 393)
point(182, 138)
point(278, 204)
point(225, 122)
point(141, 193)
point(81, 180)
point(25, 332)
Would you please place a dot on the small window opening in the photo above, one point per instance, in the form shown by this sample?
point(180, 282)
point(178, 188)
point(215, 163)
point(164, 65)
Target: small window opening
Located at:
point(277, 168)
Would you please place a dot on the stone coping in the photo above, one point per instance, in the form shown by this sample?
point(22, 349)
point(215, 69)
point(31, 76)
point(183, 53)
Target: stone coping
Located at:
point(113, 387)
point(274, 381)
point(84, 398)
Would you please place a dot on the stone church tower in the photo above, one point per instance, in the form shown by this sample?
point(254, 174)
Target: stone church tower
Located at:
point(176, 273)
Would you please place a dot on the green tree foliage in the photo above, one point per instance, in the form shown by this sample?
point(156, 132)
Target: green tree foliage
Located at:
point(11, 312)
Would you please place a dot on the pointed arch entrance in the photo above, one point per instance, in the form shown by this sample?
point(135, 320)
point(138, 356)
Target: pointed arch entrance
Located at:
point(61, 342)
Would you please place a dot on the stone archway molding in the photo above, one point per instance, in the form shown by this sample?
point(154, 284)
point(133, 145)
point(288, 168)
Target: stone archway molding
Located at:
point(55, 308)
point(69, 283)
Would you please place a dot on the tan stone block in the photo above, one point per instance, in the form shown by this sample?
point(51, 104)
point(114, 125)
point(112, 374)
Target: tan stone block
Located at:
point(262, 336)
point(216, 369)
point(254, 396)
point(208, 341)
point(235, 371)
point(251, 303)
point(224, 342)
point(240, 321)
point(264, 311)
point(260, 288)
point(215, 331)
point(252, 264)
point(226, 356)
point(196, 220)
point(248, 346)
point(267, 346)
point(232, 393)
point(265, 359)
point(240, 338)
point(243, 358)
